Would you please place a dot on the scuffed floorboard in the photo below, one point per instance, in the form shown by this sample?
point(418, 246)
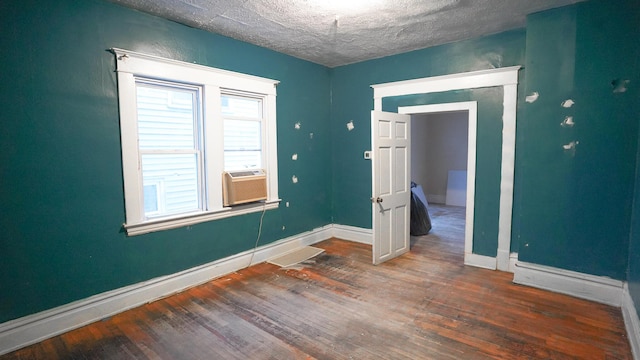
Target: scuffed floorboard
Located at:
point(423, 305)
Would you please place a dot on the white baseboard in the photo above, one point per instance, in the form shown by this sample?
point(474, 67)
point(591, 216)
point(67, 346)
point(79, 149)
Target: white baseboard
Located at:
point(513, 259)
point(34, 328)
point(590, 287)
point(631, 321)
point(481, 261)
point(352, 233)
point(502, 260)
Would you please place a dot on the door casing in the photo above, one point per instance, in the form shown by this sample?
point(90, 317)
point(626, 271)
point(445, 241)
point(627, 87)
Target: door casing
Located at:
point(506, 77)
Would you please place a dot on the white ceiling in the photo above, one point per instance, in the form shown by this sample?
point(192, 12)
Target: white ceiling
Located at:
point(340, 32)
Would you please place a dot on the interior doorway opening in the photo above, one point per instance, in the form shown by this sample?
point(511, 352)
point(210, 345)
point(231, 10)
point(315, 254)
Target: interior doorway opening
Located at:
point(439, 152)
point(507, 79)
point(470, 108)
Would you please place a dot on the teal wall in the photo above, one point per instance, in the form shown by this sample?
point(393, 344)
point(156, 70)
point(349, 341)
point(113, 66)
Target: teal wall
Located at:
point(633, 272)
point(61, 190)
point(61, 187)
point(488, 156)
point(575, 206)
point(352, 99)
point(571, 210)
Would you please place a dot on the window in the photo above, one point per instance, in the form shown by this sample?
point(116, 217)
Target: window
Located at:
point(182, 126)
point(242, 132)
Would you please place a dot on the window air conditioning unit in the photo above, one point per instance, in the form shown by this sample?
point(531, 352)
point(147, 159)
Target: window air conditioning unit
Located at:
point(244, 186)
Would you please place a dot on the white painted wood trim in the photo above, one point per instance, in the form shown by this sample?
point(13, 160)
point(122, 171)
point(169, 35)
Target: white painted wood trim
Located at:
point(502, 259)
point(352, 233)
point(180, 221)
point(472, 131)
point(212, 81)
point(513, 260)
point(506, 77)
point(585, 286)
point(465, 80)
point(506, 176)
point(31, 329)
point(271, 144)
point(132, 62)
point(481, 261)
point(631, 321)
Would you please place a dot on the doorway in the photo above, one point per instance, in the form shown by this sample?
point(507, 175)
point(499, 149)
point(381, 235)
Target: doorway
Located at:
point(471, 109)
point(507, 78)
point(439, 154)
point(439, 146)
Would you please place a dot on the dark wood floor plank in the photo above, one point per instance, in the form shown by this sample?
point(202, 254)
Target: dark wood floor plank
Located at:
point(424, 305)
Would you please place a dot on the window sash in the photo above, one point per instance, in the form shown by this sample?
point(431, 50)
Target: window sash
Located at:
point(213, 82)
point(169, 125)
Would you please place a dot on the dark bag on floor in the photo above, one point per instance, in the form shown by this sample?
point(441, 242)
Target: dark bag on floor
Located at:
point(420, 220)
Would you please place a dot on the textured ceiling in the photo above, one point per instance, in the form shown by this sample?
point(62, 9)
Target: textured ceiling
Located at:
point(340, 32)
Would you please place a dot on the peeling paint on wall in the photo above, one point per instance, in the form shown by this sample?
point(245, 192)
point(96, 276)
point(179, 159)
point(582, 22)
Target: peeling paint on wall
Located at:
point(620, 85)
point(297, 126)
point(567, 103)
point(570, 148)
point(310, 135)
point(567, 122)
point(488, 60)
point(350, 125)
point(294, 157)
point(495, 59)
point(294, 179)
point(532, 98)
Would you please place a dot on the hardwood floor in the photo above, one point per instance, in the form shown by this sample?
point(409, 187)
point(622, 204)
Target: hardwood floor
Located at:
point(423, 305)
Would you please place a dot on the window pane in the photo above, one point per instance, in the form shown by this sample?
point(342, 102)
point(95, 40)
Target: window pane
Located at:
point(241, 107)
point(151, 204)
point(242, 144)
point(239, 160)
point(242, 135)
point(175, 177)
point(166, 117)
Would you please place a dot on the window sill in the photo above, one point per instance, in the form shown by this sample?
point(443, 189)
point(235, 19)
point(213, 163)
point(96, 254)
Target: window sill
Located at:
point(186, 220)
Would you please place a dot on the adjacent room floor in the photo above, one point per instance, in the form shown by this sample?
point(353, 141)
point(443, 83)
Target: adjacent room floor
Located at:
point(423, 305)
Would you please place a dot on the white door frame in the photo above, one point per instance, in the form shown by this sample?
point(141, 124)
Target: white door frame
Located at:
point(472, 109)
point(507, 78)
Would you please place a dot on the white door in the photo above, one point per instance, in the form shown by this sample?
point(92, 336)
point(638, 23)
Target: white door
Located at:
point(391, 184)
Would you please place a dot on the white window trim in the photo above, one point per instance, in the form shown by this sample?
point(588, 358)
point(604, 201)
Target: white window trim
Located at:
point(213, 81)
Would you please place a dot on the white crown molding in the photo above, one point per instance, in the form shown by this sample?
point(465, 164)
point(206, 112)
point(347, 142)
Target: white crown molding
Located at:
point(590, 287)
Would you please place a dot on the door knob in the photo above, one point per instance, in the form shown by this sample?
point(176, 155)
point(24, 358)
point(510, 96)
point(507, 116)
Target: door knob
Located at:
point(376, 200)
